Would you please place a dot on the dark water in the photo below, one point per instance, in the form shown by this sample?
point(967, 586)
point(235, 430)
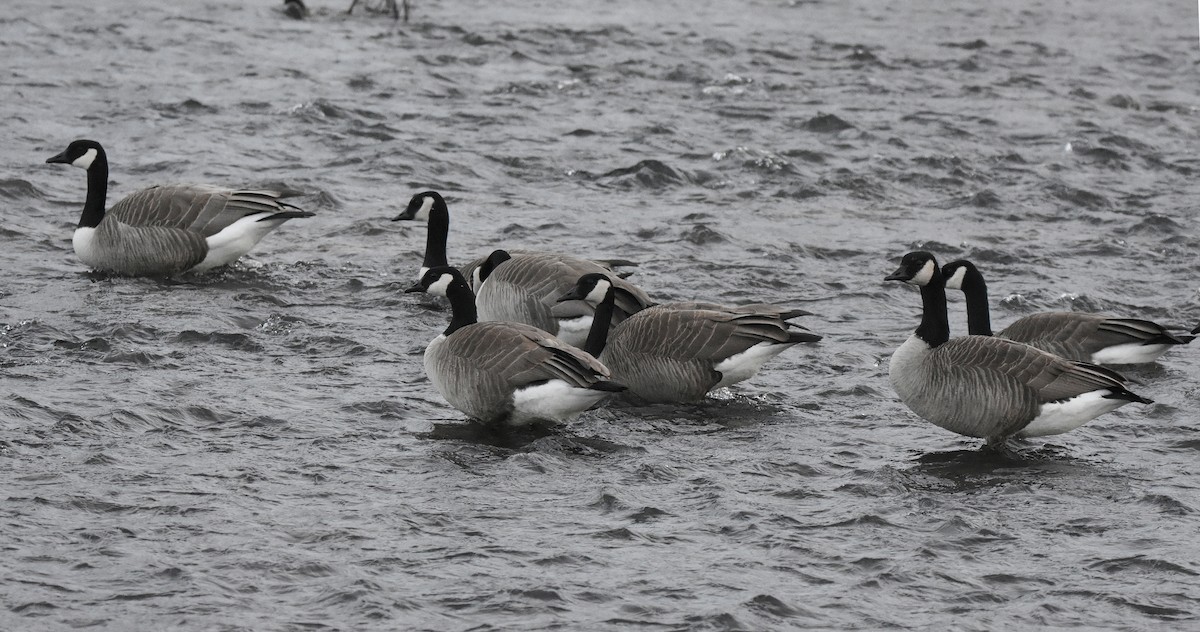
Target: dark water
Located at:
point(258, 449)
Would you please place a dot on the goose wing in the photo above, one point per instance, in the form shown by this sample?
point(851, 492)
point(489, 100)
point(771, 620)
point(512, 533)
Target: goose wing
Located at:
point(696, 334)
point(1044, 376)
point(1078, 336)
point(519, 355)
point(197, 207)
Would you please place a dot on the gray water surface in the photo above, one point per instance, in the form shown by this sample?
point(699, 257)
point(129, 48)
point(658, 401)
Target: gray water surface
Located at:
point(259, 449)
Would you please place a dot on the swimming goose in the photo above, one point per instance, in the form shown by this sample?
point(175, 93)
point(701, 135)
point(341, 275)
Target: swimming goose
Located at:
point(679, 352)
point(506, 372)
point(168, 229)
point(987, 387)
point(295, 9)
point(431, 207)
point(1071, 335)
point(525, 288)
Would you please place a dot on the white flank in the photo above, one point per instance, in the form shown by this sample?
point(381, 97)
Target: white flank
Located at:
point(744, 365)
point(85, 248)
point(236, 240)
point(955, 281)
point(1059, 417)
point(85, 161)
point(1131, 353)
point(574, 331)
point(554, 400)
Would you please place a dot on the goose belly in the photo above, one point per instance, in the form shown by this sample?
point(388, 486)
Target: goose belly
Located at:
point(84, 243)
point(554, 400)
point(1059, 417)
point(236, 240)
point(1130, 353)
point(574, 331)
point(745, 365)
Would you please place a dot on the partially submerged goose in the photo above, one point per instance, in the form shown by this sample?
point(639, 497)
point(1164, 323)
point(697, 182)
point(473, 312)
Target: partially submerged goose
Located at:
point(987, 387)
point(431, 207)
point(506, 372)
point(168, 229)
point(525, 288)
point(1071, 335)
point(679, 352)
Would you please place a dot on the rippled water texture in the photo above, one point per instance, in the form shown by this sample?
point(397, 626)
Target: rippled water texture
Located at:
point(258, 448)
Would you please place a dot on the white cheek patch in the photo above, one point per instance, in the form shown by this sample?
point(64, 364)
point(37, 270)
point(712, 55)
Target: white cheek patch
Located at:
point(596, 296)
point(955, 281)
point(426, 205)
point(923, 277)
point(439, 287)
point(85, 161)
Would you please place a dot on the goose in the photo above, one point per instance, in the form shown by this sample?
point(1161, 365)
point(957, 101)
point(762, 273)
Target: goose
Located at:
point(430, 206)
point(511, 373)
point(679, 352)
point(295, 9)
point(392, 6)
point(525, 288)
point(992, 388)
point(168, 229)
point(1071, 335)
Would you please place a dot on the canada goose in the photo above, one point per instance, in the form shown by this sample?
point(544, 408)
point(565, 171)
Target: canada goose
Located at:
point(496, 371)
point(392, 7)
point(167, 229)
point(525, 288)
point(431, 207)
point(980, 386)
point(1071, 335)
point(295, 9)
point(678, 352)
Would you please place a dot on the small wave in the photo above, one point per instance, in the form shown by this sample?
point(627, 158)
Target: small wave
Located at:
point(17, 189)
point(646, 174)
point(826, 124)
point(236, 341)
point(187, 107)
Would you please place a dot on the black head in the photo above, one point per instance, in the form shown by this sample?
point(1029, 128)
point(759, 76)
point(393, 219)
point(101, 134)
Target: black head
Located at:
point(592, 287)
point(959, 274)
point(440, 281)
point(80, 153)
point(420, 205)
point(295, 9)
point(916, 268)
point(485, 270)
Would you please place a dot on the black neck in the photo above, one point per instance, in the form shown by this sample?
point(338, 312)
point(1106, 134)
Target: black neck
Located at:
point(601, 321)
point(435, 238)
point(979, 320)
point(462, 306)
point(935, 327)
point(97, 179)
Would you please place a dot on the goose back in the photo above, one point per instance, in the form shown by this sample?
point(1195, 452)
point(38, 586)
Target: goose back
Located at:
point(670, 355)
point(525, 289)
point(1094, 338)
